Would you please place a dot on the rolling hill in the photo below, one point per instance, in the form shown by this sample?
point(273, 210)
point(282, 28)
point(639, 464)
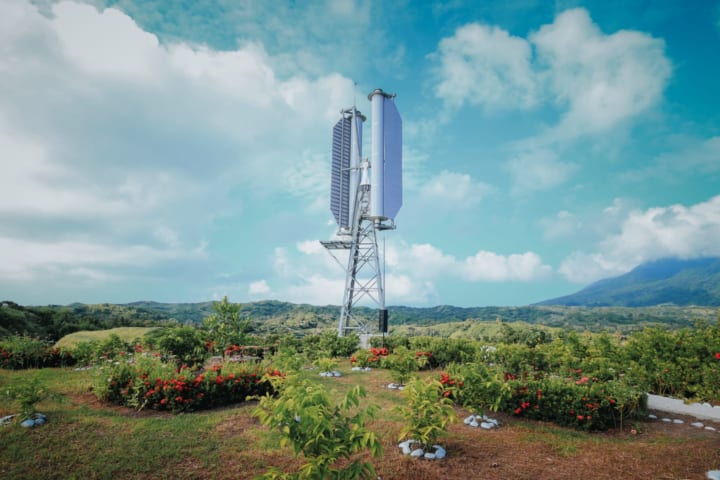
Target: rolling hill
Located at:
point(667, 281)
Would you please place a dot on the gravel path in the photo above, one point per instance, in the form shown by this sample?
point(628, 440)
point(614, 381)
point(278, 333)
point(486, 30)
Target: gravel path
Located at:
point(703, 411)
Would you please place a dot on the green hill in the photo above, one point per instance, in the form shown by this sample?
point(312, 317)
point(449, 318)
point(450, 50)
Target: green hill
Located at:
point(667, 281)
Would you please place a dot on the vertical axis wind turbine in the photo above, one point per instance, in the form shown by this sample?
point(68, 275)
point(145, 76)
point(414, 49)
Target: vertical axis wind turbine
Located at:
point(365, 197)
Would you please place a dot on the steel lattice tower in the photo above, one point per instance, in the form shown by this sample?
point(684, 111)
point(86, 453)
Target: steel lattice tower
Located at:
point(363, 204)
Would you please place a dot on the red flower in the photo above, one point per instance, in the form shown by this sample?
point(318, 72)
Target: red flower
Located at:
point(717, 355)
point(163, 401)
point(580, 417)
point(518, 411)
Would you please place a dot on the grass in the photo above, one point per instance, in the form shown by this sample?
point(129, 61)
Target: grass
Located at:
point(127, 334)
point(91, 440)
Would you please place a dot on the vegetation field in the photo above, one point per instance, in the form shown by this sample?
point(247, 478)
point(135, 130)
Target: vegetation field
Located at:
point(126, 334)
point(220, 400)
point(86, 438)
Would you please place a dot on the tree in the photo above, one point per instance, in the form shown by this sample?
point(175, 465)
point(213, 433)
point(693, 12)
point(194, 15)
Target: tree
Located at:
point(225, 326)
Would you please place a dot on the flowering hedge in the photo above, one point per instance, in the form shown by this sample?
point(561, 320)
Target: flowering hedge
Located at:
point(150, 383)
point(576, 401)
point(18, 352)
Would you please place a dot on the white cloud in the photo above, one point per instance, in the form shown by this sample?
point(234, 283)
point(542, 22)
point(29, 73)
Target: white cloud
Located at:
point(454, 190)
point(427, 262)
point(106, 43)
point(115, 141)
point(600, 79)
point(412, 272)
point(645, 235)
point(258, 288)
point(484, 65)
point(538, 170)
point(23, 259)
point(596, 80)
point(489, 266)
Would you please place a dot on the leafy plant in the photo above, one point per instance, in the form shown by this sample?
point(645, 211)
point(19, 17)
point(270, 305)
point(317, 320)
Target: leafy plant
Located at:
point(326, 364)
point(186, 343)
point(28, 393)
point(322, 432)
point(402, 364)
point(426, 412)
point(225, 327)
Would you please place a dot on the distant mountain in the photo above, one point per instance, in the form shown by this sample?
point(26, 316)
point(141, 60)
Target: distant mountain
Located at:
point(666, 281)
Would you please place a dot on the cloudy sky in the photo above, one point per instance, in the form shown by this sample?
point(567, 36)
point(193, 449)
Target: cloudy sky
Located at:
point(179, 151)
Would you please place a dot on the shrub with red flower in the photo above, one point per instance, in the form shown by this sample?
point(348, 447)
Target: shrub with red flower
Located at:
point(369, 358)
point(180, 389)
point(449, 386)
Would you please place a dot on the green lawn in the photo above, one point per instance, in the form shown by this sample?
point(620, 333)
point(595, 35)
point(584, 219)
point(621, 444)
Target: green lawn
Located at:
point(87, 439)
point(125, 333)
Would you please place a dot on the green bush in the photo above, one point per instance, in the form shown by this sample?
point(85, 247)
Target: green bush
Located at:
point(187, 344)
point(426, 412)
point(20, 352)
point(325, 434)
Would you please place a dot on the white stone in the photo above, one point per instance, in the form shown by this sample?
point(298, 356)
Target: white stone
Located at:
point(439, 451)
point(429, 456)
point(469, 419)
point(40, 421)
point(417, 453)
point(713, 475)
point(393, 386)
point(697, 424)
point(712, 429)
point(474, 424)
point(652, 417)
point(487, 425)
point(406, 449)
point(336, 374)
point(356, 369)
point(678, 421)
point(666, 420)
point(28, 423)
point(367, 369)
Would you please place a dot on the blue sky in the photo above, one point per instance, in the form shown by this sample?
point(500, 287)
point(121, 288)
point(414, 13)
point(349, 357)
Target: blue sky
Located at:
point(179, 151)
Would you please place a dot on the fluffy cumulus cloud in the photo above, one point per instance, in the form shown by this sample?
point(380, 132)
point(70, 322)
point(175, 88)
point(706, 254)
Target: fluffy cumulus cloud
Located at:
point(259, 289)
point(485, 65)
point(593, 82)
point(645, 235)
point(596, 80)
point(115, 142)
point(600, 79)
point(413, 272)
